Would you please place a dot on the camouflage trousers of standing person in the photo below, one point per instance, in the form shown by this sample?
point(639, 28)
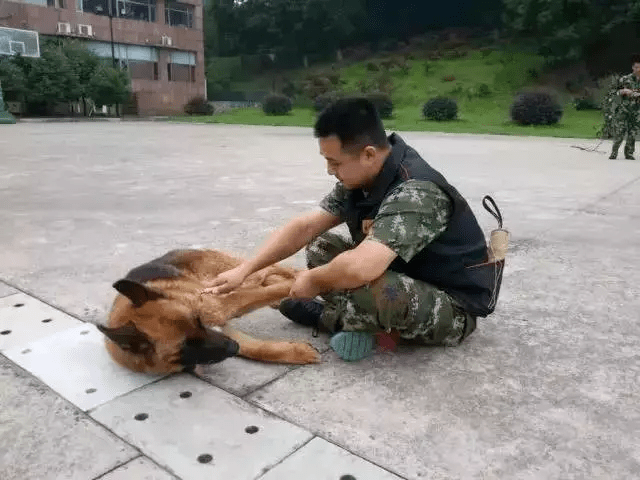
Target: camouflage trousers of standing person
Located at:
point(419, 312)
point(626, 128)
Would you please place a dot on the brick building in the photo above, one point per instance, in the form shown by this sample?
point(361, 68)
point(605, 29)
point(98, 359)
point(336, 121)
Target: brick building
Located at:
point(160, 42)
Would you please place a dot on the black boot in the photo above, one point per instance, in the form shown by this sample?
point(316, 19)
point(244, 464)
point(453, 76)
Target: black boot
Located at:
point(302, 312)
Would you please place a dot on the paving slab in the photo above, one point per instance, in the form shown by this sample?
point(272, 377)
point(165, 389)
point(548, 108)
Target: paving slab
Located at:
point(43, 437)
point(139, 469)
point(321, 460)
point(24, 319)
point(75, 364)
point(6, 290)
point(199, 431)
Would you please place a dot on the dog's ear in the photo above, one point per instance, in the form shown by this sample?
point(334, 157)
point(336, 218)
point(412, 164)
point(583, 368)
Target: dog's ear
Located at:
point(138, 293)
point(128, 338)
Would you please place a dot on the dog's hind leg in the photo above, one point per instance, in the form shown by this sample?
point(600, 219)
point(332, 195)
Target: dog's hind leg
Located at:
point(271, 350)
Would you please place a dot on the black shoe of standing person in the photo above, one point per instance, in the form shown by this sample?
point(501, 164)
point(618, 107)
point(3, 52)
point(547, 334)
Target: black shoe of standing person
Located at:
point(302, 312)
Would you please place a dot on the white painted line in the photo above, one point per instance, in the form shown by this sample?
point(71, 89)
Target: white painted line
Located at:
point(76, 364)
point(23, 319)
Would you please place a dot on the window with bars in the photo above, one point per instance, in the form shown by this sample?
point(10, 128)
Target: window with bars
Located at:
point(143, 10)
point(178, 15)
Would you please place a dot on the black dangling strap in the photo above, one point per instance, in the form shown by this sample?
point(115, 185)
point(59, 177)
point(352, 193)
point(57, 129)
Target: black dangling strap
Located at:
point(495, 211)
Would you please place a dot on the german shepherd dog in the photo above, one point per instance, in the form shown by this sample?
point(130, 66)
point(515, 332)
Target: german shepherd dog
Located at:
point(159, 320)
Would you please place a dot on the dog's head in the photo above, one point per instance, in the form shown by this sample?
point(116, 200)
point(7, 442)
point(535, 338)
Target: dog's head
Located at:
point(162, 333)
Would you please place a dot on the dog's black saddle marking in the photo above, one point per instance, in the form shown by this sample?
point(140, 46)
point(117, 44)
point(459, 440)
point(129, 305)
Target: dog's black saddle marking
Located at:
point(162, 267)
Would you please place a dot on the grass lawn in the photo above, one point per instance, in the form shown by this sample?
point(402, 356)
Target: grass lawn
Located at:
point(574, 124)
point(503, 72)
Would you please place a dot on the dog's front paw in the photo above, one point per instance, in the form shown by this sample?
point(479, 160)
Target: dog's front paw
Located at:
point(303, 353)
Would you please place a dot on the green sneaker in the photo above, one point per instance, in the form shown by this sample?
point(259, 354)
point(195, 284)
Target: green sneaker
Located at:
point(353, 346)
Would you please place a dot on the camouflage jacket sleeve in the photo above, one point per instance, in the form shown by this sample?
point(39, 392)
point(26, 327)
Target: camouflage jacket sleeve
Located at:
point(411, 217)
point(335, 201)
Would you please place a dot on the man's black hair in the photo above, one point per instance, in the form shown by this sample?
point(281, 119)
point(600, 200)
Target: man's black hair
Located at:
point(635, 58)
point(355, 121)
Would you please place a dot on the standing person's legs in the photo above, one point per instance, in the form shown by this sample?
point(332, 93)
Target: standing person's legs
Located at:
point(630, 145)
point(617, 141)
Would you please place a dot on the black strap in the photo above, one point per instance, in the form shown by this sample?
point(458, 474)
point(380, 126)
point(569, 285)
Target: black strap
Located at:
point(495, 212)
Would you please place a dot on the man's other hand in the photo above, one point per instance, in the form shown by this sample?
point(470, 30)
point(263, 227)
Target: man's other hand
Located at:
point(226, 282)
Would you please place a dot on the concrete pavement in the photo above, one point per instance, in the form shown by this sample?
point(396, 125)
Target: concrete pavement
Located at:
point(545, 388)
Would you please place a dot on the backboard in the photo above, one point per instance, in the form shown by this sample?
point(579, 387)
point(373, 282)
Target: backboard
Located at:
point(23, 42)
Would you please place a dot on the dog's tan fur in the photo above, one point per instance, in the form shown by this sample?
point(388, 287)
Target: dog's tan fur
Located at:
point(149, 337)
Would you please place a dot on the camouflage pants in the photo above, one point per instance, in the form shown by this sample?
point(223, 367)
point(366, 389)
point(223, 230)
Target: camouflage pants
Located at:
point(418, 311)
point(626, 128)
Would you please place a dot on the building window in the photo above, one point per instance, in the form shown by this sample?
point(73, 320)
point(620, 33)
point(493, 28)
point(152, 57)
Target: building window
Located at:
point(182, 67)
point(178, 15)
point(45, 3)
point(181, 73)
point(141, 62)
point(143, 10)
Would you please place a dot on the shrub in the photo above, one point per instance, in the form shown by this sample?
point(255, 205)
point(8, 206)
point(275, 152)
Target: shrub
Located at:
point(198, 106)
point(383, 103)
point(405, 68)
point(276, 104)
point(533, 73)
point(536, 108)
point(440, 109)
point(316, 85)
point(324, 100)
point(334, 77)
point(373, 67)
point(586, 102)
point(483, 90)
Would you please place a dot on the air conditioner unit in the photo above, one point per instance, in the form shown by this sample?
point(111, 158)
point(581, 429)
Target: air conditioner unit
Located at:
point(86, 30)
point(167, 41)
point(64, 28)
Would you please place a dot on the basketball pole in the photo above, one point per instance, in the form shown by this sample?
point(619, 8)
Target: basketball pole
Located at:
point(5, 116)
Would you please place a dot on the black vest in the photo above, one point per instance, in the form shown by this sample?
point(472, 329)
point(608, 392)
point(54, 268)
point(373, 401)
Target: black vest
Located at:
point(444, 262)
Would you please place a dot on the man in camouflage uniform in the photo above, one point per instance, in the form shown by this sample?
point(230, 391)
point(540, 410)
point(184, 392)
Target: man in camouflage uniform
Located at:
point(410, 218)
point(621, 111)
point(408, 269)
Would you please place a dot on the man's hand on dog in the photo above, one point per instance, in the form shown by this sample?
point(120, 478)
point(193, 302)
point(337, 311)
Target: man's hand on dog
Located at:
point(226, 282)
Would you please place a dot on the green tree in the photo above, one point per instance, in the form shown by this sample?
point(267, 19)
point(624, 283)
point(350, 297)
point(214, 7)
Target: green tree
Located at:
point(565, 29)
point(50, 80)
point(83, 64)
point(109, 86)
point(12, 79)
